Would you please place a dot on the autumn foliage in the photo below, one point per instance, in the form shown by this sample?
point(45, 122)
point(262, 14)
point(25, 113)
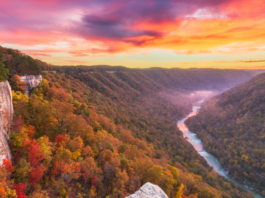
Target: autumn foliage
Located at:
point(17, 84)
point(63, 146)
point(20, 190)
point(7, 164)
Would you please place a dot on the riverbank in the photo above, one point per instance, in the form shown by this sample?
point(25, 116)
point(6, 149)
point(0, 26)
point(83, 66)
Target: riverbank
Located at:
point(197, 144)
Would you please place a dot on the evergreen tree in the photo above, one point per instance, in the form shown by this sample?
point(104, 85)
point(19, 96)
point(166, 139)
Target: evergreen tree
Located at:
point(3, 71)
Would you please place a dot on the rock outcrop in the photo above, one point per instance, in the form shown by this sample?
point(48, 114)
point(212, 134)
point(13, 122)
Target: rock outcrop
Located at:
point(6, 115)
point(32, 81)
point(149, 191)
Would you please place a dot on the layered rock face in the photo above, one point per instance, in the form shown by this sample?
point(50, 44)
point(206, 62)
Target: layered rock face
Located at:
point(6, 114)
point(32, 81)
point(149, 191)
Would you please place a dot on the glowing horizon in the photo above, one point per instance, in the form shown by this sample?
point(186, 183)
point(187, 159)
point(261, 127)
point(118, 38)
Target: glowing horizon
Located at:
point(150, 33)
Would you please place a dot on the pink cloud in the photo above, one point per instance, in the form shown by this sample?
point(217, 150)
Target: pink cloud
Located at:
point(114, 26)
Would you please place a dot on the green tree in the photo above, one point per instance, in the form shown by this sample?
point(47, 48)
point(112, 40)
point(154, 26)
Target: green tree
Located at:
point(4, 72)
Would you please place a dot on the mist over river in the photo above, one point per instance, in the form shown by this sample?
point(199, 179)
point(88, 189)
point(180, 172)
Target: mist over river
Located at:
point(197, 144)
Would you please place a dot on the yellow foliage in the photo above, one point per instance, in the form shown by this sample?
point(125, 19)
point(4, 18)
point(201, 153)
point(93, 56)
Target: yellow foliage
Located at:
point(173, 171)
point(45, 145)
point(93, 192)
point(179, 193)
point(151, 146)
point(22, 170)
point(63, 154)
point(11, 192)
point(18, 95)
point(18, 139)
point(76, 154)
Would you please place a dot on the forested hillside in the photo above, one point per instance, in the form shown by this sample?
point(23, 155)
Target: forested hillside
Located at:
point(232, 128)
point(175, 78)
point(15, 62)
point(104, 133)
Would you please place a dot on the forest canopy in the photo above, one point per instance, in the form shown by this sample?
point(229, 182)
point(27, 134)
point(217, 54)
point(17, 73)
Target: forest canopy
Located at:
point(4, 72)
point(231, 126)
point(105, 134)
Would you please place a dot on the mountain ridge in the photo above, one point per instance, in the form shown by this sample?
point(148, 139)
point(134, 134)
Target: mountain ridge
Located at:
point(237, 129)
point(104, 134)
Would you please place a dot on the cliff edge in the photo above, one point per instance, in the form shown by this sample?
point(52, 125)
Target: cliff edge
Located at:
point(32, 81)
point(149, 191)
point(6, 114)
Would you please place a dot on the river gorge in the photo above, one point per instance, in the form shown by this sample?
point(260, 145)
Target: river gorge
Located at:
point(197, 144)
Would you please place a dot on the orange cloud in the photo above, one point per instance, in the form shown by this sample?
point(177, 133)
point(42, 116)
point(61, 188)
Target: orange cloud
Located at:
point(83, 28)
point(252, 61)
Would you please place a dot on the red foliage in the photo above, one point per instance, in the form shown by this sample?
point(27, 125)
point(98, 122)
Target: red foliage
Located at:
point(17, 84)
point(7, 164)
point(20, 190)
point(34, 152)
point(17, 155)
point(60, 168)
point(31, 131)
point(59, 94)
point(60, 140)
point(94, 181)
point(18, 123)
point(16, 77)
point(35, 175)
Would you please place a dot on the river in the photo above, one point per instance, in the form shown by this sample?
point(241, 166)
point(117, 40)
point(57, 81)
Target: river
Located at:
point(197, 144)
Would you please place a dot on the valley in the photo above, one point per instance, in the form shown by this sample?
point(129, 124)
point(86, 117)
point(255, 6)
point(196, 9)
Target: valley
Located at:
point(132, 99)
point(191, 136)
point(89, 131)
point(235, 134)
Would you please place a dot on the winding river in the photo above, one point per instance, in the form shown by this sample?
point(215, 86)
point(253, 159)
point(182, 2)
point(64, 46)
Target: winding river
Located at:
point(197, 144)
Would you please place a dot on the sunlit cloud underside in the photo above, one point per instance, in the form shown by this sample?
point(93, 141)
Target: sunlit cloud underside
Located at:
point(150, 33)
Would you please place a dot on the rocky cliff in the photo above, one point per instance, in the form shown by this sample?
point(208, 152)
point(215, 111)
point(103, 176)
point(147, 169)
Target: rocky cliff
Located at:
point(6, 114)
point(32, 81)
point(149, 191)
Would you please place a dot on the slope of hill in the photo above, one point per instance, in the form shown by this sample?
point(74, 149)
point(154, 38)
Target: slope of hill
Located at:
point(231, 126)
point(65, 148)
point(175, 78)
point(104, 134)
point(18, 63)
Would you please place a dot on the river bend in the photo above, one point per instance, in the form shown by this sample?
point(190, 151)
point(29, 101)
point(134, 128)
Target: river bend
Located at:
point(197, 144)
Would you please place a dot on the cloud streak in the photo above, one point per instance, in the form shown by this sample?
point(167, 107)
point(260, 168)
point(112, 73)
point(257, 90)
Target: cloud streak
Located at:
point(252, 61)
point(84, 27)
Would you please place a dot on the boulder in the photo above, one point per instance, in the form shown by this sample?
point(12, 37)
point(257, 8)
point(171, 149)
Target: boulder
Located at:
point(32, 81)
point(149, 190)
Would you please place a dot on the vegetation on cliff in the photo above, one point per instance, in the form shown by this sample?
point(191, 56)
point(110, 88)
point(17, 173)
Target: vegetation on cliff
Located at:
point(4, 72)
point(18, 63)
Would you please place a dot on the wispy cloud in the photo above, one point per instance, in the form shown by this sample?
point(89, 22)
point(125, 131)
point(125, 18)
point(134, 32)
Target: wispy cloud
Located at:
point(251, 61)
point(82, 28)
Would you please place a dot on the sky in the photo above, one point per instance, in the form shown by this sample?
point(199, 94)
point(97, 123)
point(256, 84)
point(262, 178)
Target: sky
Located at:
point(138, 33)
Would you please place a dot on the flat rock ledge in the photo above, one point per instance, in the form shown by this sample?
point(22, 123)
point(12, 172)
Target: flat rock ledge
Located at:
point(149, 190)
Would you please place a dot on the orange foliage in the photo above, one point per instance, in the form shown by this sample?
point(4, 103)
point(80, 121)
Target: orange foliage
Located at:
point(34, 152)
point(58, 94)
point(7, 164)
point(60, 140)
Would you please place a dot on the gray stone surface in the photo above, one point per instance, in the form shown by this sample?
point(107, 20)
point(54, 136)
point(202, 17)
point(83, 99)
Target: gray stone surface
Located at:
point(32, 81)
point(149, 190)
point(6, 115)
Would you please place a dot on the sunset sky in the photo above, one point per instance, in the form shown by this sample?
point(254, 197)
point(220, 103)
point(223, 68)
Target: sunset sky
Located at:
point(137, 33)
